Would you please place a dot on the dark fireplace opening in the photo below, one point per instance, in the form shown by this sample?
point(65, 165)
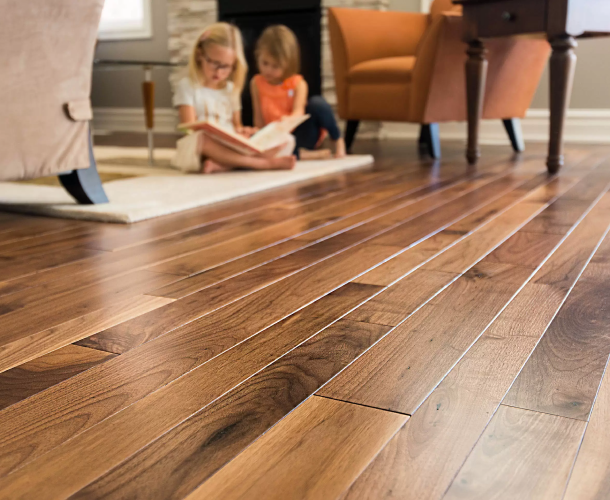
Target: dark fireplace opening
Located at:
point(301, 16)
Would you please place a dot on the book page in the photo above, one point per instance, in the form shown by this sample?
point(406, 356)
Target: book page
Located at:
point(274, 134)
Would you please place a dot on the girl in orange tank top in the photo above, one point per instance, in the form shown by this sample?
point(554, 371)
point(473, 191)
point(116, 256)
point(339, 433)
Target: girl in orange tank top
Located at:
point(279, 91)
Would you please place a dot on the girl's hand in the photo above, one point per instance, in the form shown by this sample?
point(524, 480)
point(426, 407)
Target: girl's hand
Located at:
point(249, 131)
point(246, 131)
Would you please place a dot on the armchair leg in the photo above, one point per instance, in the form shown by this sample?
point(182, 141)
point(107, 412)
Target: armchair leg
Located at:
point(84, 184)
point(350, 133)
point(513, 129)
point(430, 140)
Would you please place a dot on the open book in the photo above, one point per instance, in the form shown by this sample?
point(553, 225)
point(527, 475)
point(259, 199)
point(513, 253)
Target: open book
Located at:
point(270, 136)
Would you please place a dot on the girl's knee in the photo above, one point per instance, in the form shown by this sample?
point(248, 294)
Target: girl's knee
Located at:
point(317, 103)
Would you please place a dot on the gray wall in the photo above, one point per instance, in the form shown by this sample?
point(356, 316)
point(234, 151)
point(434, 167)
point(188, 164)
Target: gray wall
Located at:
point(122, 88)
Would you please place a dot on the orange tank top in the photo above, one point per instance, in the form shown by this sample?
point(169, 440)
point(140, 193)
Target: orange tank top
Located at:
point(276, 100)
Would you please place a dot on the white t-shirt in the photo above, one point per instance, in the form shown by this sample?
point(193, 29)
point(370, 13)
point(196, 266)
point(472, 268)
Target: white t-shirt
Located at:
point(213, 105)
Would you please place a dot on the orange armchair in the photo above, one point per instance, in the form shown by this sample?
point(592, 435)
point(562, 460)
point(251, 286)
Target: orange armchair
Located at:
point(409, 67)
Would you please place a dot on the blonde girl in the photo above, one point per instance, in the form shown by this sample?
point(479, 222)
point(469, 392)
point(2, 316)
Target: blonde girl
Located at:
point(211, 92)
point(279, 91)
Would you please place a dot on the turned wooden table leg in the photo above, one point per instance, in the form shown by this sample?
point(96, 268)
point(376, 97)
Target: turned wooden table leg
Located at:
point(562, 66)
point(476, 75)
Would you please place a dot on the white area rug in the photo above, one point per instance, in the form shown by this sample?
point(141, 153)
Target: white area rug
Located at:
point(159, 190)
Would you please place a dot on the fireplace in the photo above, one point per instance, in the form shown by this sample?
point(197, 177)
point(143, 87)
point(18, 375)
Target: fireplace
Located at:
point(301, 16)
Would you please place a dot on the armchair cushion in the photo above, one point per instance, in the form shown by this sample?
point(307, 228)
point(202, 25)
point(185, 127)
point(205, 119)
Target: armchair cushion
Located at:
point(385, 70)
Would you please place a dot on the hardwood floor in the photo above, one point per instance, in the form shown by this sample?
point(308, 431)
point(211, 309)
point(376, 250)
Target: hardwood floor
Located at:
point(410, 330)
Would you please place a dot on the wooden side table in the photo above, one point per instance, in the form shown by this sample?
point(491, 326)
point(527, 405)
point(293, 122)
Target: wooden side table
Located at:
point(562, 21)
point(148, 91)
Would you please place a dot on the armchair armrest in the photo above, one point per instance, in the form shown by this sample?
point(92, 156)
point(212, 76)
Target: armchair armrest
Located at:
point(358, 35)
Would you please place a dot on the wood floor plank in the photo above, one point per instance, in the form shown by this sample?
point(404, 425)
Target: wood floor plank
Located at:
point(590, 479)
point(181, 459)
point(224, 248)
point(41, 373)
point(198, 262)
point(316, 452)
point(113, 238)
point(135, 426)
point(106, 389)
point(399, 301)
point(396, 268)
point(121, 338)
point(413, 204)
point(522, 454)
point(14, 267)
point(32, 346)
point(21, 320)
point(564, 373)
point(423, 458)
point(423, 349)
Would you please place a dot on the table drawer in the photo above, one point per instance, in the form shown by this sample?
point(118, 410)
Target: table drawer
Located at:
point(507, 17)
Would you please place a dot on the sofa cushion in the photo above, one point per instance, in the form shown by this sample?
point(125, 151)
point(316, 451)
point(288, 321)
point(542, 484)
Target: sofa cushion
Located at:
point(386, 70)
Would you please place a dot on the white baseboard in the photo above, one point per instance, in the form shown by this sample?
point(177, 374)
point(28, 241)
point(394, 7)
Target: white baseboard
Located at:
point(582, 125)
point(132, 120)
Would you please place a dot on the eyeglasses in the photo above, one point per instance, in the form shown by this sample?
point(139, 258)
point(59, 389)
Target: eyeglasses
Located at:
point(217, 66)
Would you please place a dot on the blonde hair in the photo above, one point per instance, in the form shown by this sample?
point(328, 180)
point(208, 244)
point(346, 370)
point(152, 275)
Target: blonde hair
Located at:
point(225, 35)
point(280, 43)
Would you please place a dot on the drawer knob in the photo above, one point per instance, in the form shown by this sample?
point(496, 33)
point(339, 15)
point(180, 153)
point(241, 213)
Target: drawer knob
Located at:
point(508, 16)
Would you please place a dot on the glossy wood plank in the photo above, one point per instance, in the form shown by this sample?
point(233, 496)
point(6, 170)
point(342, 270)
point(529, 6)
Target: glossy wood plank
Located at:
point(14, 267)
point(197, 262)
point(121, 338)
point(590, 479)
point(316, 452)
point(399, 301)
point(35, 345)
point(564, 373)
point(41, 373)
point(20, 320)
point(204, 259)
point(142, 422)
point(522, 454)
point(113, 239)
point(108, 388)
point(397, 268)
point(181, 459)
point(423, 458)
point(423, 349)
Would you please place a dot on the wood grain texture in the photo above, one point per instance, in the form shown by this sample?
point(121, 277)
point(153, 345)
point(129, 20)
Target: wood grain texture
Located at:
point(590, 479)
point(564, 373)
point(316, 452)
point(100, 392)
point(17, 321)
point(45, 371)
point(421, 351)
point(398, 267)
point(32, 346)
point(521, 454)
point(122, 338)
point(423, 458)
point(280, 307)
point(181, 459)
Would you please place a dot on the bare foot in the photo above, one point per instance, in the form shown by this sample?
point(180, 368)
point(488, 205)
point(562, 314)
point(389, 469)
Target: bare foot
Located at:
point(340, 148)
point(283, 162)
point(318, 154)
point(211, 167)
